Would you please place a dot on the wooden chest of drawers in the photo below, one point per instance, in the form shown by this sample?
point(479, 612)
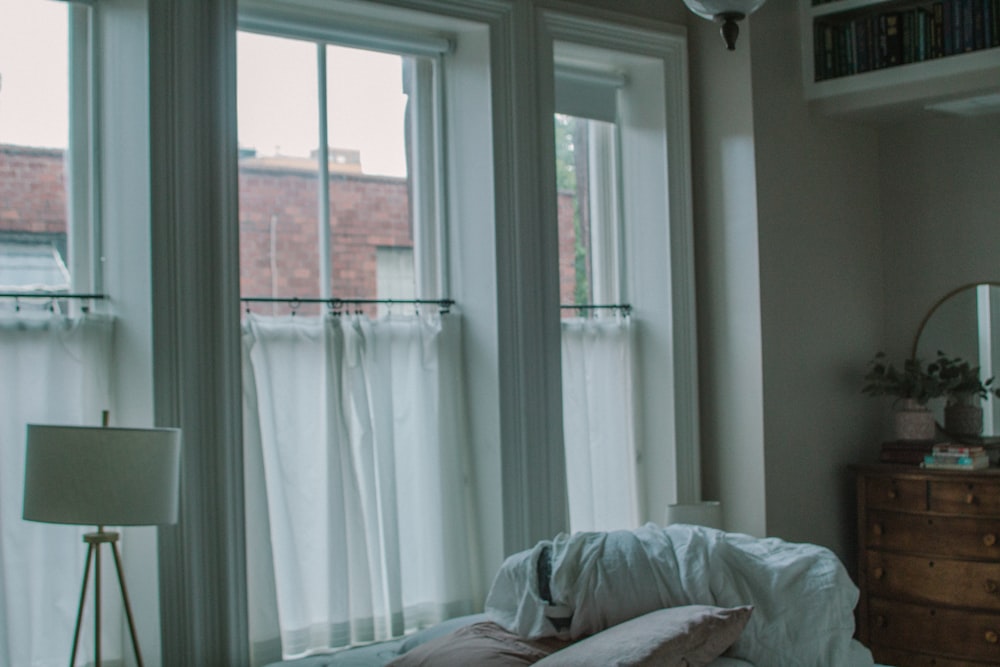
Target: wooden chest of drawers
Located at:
point(929, 565)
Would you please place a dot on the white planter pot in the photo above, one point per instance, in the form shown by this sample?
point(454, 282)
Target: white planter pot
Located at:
point(913, 421)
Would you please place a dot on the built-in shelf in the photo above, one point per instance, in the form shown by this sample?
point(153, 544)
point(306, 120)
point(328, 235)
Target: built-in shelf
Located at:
point(886, 55)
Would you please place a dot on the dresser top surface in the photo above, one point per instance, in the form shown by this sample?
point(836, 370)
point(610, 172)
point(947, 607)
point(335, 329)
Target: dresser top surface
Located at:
point(916, 472)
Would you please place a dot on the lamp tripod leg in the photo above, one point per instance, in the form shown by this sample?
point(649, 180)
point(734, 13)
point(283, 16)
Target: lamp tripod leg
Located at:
point(97, 603)
point(83, 597)
point(128, 607)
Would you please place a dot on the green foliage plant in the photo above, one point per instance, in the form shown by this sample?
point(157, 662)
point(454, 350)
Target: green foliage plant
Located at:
point(909, 381)
point(962, 381)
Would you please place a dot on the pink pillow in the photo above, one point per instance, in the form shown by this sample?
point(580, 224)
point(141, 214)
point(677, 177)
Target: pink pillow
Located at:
point(483, 644)
point(690, 636)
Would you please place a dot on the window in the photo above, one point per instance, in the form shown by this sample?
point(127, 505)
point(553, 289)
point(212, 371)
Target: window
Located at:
point(45, 159)
point(628, 374)
point(588, 177)
point(57, 367)
point(362, 122)
point(353, 422)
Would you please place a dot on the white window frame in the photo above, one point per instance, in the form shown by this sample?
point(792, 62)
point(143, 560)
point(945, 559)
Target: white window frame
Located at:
point(657, 236)
point(334, 25)
point(83, 238)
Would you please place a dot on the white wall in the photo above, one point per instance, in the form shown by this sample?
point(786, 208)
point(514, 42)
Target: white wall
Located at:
point(729, 325)
point(821, 292)
point(940, 184)
point(862, 227)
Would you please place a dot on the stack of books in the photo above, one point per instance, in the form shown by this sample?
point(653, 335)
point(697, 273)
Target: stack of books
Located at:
point(947, 456)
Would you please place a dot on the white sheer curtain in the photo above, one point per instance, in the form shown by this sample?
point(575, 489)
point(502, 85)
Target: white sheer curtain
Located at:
point(53, 370)
point(359, 505)
point(599, 423)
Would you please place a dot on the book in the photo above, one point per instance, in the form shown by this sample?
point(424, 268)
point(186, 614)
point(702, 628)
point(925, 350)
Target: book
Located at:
point(958, 450)
point(954, 458)
point(937, 465)
point(890, 39)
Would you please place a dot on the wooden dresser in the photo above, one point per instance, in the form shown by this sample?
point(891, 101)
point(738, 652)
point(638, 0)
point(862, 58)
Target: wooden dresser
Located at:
point(929, 565)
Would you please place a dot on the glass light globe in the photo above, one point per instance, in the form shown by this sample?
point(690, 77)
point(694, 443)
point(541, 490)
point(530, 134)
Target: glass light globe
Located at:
point(710, 9)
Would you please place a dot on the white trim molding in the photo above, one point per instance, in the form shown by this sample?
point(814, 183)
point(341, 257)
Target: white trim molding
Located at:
point(196, 337)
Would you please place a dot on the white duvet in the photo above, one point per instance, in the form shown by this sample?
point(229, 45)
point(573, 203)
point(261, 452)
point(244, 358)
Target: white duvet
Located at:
point(803, 598)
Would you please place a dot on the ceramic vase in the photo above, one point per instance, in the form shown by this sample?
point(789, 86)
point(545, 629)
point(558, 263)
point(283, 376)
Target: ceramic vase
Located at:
point(964, 417)
point(913, 421)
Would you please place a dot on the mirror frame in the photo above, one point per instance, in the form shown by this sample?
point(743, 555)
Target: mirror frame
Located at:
point(920, 330)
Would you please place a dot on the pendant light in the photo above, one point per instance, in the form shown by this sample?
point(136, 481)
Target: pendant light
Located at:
point(726, 12)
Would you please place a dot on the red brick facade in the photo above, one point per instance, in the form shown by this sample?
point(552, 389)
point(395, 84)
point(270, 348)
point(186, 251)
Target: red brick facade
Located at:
point(278, 222)
point(32, 190)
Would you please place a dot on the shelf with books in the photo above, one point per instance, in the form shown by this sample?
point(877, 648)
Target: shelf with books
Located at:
point(860, 55)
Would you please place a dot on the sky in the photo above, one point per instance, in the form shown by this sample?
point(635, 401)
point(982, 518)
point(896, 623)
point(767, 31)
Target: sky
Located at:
point(33, 95)
point(277, 103)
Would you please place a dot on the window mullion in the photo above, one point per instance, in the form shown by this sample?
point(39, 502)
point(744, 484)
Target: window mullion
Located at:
point(423, 167)
point(604, 213)
point(323, 175)
point(82, 162)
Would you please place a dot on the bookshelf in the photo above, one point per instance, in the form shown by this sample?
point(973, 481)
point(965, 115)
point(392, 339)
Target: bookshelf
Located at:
point(876, 55)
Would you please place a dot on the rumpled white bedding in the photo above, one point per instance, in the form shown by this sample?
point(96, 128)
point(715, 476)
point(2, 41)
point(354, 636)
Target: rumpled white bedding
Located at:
point(802, 596)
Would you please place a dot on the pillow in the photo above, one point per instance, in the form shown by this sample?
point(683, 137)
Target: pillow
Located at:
point(442, 628)
point(484, 644)
point(690, 636)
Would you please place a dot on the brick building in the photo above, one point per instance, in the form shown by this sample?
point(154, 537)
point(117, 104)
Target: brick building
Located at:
point(370, 226)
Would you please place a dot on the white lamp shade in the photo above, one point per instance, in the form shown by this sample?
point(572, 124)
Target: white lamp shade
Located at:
point(711, 8)
point(101, 476)
point(707, 513)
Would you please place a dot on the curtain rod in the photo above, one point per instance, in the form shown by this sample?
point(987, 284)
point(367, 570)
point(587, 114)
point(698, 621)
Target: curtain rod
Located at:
point(625, 308)
point(336, 302)
point(50, 295)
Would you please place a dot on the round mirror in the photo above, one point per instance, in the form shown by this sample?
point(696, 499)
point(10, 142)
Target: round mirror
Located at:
point(965, 324)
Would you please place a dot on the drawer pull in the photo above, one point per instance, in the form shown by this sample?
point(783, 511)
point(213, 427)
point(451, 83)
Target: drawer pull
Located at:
point(970, 499)
point(989, 539)
point(992, 637)
point(880, 622)
point(892, 494)
point(879, 573)
point(991, 587)
point(877, 529)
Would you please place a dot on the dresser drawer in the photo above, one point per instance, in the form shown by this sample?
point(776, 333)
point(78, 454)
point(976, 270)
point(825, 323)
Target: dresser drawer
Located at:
point(890, 656)
point(959, 497)
point(950, 633)
point(956, 537)
point(898, 494)
point(934, 580)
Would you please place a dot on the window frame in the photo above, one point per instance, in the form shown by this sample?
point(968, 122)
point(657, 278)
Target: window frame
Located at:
point(657, 236)
point(427, 168)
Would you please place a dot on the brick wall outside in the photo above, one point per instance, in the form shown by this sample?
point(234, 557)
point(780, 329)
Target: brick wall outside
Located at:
point(32, 190)
point(278, 222)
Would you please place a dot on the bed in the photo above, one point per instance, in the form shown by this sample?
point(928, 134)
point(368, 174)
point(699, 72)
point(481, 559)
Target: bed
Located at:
point(681, 595)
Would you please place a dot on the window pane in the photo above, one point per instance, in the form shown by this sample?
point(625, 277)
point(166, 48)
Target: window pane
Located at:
point(278, 168)
point(369, 203)
point(34, 137)
point(587, 179)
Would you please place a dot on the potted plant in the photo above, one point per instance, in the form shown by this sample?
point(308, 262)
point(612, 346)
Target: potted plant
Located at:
point(913, 385)
point(964, 389)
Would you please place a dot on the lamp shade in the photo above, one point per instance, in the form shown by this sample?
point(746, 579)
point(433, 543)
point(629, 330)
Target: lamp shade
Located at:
point(101, 476)
point(709, 9)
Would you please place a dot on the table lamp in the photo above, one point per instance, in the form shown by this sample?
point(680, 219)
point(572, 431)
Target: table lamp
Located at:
point(104, 477)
